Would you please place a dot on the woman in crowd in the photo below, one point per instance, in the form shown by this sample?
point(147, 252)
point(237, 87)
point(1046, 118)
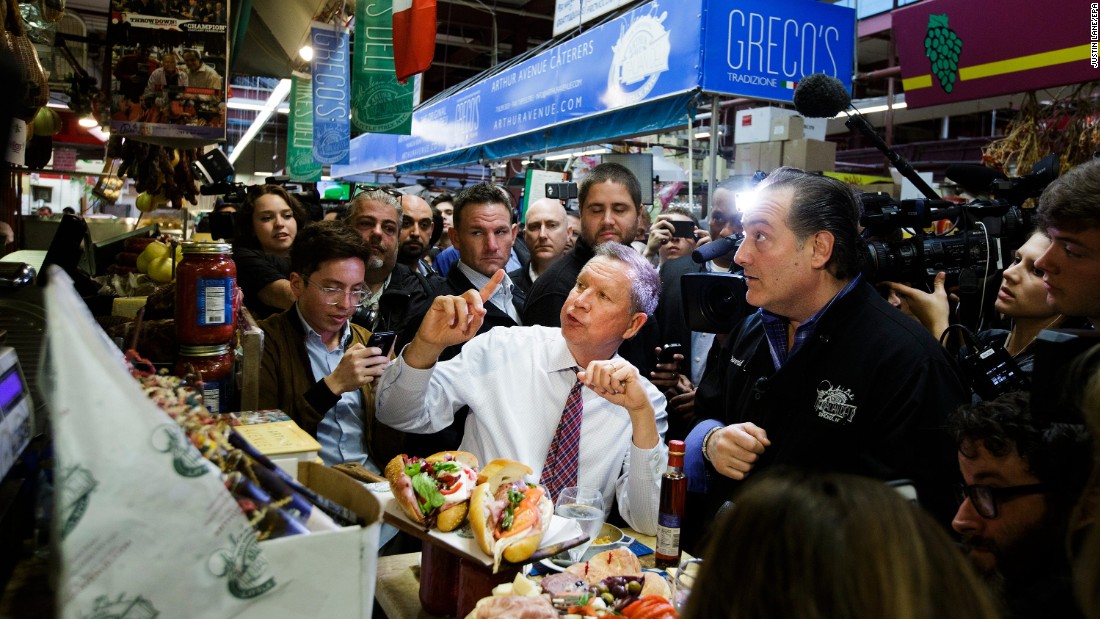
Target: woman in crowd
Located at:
point(267, 223)
point(1022, 297)
point(804, 544)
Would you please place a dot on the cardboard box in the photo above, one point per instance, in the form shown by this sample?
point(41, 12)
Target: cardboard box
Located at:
point(813, 128)
point(755, 125)
point(329, 574)
point(810, 155)
point(786, 128)
point(766, 156)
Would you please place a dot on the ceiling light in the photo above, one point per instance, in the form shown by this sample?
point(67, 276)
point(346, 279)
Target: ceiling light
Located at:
point(306, 53)
point(882, 108)
point(277, 96)
point(598, 151)
point(88, 122)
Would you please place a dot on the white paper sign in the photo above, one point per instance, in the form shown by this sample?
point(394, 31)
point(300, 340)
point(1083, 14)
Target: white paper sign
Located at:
point(142, 522)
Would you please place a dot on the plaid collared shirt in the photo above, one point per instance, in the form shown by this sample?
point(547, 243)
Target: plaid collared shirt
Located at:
point(775, 327)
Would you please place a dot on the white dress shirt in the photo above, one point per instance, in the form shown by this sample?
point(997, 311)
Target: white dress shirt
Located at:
point(515, 381)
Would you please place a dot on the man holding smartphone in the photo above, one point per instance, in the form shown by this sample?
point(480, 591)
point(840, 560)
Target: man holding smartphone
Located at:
point(318, 367)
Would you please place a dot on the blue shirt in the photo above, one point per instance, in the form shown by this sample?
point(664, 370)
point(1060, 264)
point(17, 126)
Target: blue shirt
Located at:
point(341, 431)
point(775, 327)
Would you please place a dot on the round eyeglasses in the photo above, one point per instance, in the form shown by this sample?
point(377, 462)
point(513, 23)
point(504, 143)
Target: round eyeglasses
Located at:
point(333, 296)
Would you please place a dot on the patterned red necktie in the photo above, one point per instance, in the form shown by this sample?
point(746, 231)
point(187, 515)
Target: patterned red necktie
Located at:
point(560, 470)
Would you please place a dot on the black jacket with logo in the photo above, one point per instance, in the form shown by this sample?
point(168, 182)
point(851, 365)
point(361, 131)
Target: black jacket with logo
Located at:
point(866, 394)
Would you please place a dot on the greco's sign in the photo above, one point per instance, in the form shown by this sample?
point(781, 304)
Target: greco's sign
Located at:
point(761, 49)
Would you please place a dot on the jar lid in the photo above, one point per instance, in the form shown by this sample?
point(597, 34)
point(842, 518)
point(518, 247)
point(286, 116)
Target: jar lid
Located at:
point(206, 248)
point(204, 351)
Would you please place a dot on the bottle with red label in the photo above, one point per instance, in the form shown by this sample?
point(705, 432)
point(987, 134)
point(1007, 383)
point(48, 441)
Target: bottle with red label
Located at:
point(670, 515)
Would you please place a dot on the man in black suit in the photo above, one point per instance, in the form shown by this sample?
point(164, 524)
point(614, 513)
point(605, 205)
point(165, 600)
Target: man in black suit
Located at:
point(483, 232)
point(546, 230)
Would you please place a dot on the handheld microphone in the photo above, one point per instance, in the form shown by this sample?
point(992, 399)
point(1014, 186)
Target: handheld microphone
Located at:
point(714, 249)
point(825, 96)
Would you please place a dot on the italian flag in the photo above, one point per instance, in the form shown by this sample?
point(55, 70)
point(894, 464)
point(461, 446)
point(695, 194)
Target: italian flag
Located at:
point(413, 37)
point(788, 85)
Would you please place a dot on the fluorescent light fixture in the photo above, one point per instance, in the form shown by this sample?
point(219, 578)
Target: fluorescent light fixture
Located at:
point(881, 108)
point(245, 104)
point(306, 53)
point(561, 157)
point(277, 96)
point(88, 122)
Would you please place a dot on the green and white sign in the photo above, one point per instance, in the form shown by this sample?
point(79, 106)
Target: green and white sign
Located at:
point(378, 103)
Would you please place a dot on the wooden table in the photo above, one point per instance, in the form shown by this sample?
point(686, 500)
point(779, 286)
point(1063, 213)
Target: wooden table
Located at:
point(398, 585)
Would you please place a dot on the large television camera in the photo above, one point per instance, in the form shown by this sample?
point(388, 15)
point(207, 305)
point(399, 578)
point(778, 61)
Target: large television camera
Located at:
point(984, 232)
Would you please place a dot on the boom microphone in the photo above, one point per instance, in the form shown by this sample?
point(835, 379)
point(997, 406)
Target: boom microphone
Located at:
point(821, 96)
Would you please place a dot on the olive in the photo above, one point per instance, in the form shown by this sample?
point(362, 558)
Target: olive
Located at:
point(618, 591)
point(634, 588)
point(607, 597)
point(601, 588)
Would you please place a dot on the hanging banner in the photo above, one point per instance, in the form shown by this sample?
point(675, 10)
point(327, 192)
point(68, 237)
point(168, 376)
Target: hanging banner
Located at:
point(962, 51)
point(331, 123)
point(761, 48)
point(168, 67)
point(379, 103)
point(299, 144)
point(642, 56)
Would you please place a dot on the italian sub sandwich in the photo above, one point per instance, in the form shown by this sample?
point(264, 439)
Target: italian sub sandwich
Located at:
point(509, 516)
point(434, 491)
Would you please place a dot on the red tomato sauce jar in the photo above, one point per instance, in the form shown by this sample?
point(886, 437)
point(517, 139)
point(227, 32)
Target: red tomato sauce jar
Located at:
point(205, 280)
point(213, 365)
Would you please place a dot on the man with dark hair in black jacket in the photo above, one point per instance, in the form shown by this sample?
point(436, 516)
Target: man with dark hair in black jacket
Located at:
point(826, 375)
point(611, 202)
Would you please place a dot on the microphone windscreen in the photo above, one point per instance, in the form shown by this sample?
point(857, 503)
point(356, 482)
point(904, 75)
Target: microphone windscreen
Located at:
point(820, 96)
point(973, 177)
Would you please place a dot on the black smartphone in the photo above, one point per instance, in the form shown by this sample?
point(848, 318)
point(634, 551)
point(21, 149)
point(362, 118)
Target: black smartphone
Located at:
point(668, 350)
point(383, 340)
point(683, 229)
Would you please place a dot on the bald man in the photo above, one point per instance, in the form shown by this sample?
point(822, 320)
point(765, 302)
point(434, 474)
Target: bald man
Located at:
point(414, 240)
point(546, 231)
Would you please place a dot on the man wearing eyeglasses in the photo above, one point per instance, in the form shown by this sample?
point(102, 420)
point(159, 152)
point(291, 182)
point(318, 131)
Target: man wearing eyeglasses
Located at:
point(1022, 479)
point(316, 366)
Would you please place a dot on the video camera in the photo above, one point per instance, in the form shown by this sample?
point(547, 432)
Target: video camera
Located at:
point(973, 248)
point(561, 191)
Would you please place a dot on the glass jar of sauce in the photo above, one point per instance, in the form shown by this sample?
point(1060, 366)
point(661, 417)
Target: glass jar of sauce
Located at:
point(205, 280)
point(213, 365)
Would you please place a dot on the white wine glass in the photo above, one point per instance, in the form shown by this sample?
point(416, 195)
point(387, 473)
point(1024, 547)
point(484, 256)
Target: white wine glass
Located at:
point(585, 506)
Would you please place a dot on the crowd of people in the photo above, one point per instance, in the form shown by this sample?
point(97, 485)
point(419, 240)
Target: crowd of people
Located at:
point(535, 335)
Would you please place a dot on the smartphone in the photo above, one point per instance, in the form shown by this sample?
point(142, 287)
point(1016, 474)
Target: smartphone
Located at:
point(683, 229)
point(383, 340)
point(668, 350)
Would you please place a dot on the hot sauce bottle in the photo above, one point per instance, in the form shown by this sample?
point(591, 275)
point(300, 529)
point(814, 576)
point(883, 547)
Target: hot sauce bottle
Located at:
point(670, 514)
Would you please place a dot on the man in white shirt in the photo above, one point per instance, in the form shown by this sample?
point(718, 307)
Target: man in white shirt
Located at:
point(516, 382)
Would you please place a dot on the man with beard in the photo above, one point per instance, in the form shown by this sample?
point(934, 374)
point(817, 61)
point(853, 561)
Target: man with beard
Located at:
point(1023, 478)
point(417, 226)
point(398, 295)
point(611, 202)
point(546, 230)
